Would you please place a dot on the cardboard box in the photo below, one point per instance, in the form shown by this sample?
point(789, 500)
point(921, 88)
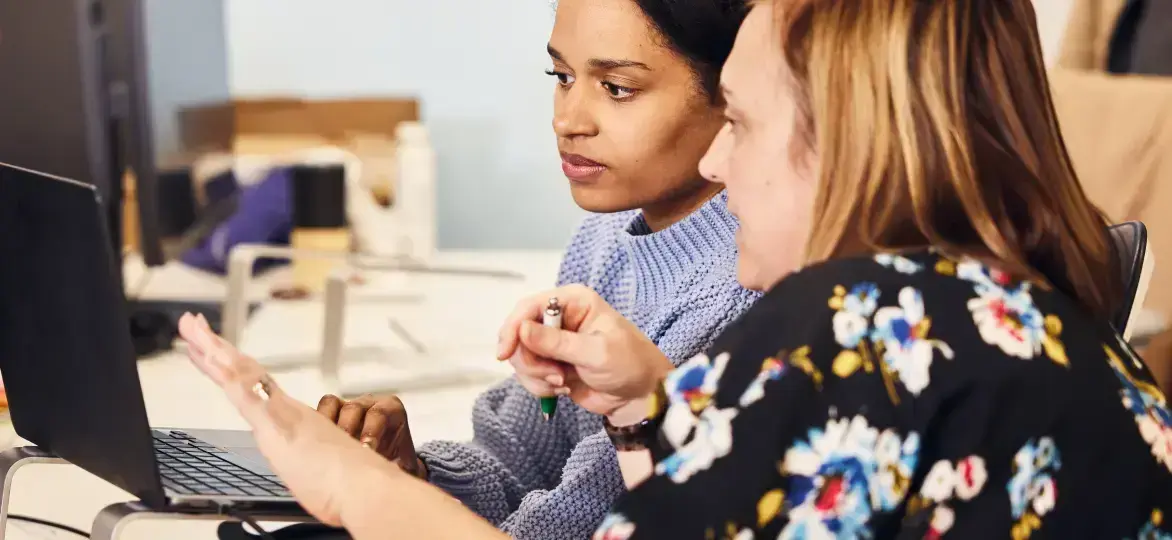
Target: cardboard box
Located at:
point(279, 125)
point(218, 126)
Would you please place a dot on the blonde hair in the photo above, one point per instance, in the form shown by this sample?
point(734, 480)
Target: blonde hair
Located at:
point(933, 126)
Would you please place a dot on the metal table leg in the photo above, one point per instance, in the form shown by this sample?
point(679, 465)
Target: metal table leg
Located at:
point(11, 460)
point(331, 358)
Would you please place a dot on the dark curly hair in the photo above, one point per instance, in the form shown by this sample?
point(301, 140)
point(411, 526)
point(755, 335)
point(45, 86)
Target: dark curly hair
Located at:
point(701, 31)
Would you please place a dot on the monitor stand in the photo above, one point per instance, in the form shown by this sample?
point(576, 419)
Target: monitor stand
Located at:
point(154, 324)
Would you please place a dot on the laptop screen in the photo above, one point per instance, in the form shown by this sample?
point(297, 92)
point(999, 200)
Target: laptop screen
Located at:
point(65, 351)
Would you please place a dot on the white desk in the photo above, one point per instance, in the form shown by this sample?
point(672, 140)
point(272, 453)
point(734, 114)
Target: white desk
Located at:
point(177, 395)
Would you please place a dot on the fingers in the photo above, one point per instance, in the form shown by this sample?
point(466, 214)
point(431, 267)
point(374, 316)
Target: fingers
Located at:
point(539, 376)
point(563, 345)
point(528, 365)
point(576, 302)
point(353, 414)
point(538, 387)
point(385, 419)
point(527, 309)
point(192, 332)
point(248, 387)
point(262, 403)
point(216, 358)
point(330, 406)
point(371, 421)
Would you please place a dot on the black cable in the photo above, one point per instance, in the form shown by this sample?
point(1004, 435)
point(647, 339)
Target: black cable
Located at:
point(47, 523)
point(247, 520)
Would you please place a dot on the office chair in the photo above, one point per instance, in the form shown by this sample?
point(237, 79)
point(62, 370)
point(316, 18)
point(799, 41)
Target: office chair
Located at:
point(1136, 265)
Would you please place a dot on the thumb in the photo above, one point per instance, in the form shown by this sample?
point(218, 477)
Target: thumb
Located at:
point(562, 345)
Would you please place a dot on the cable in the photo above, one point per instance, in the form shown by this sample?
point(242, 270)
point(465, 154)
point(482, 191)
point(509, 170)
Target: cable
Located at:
point(247, 520)
point(47, 523)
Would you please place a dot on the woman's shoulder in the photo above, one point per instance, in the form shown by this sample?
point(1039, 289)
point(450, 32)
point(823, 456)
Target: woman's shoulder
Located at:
point(869, 279)
point(950, 281)
point(905, 297)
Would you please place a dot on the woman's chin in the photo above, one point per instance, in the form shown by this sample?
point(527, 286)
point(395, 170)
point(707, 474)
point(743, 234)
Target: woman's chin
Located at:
point(598, 200)
point(749, 277)
point(755, 276)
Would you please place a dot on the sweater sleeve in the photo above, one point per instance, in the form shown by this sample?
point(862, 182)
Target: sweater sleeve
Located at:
point(572, 510)
point(514, 451)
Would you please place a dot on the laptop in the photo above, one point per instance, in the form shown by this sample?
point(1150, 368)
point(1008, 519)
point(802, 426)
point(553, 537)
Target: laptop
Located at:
point(69, 366)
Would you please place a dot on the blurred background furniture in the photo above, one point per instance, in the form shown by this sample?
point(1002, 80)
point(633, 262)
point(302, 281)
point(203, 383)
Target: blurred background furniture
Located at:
point(1114, 102)
point(419, 313)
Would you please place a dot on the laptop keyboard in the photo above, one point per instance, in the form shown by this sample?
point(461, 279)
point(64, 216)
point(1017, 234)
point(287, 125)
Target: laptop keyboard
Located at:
point(190, 466)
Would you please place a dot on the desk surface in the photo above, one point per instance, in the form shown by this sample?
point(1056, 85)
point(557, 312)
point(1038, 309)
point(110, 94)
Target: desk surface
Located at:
point(177, 395)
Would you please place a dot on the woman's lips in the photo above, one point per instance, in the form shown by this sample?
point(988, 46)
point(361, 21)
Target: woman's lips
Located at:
point(579, 168)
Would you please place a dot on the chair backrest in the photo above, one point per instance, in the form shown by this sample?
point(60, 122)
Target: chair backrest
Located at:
point(1136, 263)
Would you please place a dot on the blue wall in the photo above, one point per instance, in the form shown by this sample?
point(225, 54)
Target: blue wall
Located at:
point(187, 62)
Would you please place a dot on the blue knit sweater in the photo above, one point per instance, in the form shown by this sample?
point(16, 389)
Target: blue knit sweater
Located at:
point(555, 480)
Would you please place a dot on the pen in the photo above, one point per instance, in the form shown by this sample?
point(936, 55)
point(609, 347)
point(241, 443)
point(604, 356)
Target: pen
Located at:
point(552, 318)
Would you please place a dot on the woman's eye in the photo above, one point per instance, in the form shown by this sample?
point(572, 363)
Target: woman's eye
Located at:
point(618, 92)
point(731, 124)
point(564, 79)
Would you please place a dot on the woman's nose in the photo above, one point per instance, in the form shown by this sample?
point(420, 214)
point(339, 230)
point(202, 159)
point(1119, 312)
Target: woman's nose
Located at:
point(573, 117)
point(714, 163)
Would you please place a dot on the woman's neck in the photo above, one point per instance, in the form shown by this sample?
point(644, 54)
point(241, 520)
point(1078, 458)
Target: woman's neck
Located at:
point(664, 214)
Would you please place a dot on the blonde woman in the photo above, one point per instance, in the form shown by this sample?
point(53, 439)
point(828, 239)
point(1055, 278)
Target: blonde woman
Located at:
point(932, 357)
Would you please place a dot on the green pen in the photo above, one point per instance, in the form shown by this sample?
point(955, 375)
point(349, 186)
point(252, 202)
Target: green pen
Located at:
point(552, 318)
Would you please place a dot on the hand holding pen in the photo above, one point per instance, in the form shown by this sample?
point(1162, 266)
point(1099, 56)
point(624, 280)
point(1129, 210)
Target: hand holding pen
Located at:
point(597, 357)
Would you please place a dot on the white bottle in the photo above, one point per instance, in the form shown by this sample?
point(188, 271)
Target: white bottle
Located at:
point(415, 191)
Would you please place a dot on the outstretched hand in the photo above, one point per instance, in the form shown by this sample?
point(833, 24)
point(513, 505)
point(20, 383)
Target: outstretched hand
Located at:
point(602, 360)
point(320, 464)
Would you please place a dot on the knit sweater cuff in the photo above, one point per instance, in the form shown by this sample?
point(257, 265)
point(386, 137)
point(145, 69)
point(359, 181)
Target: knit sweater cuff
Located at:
point(469, 474)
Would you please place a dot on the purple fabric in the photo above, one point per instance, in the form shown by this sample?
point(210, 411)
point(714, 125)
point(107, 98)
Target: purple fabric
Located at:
point(263, 216)
point(220, 187)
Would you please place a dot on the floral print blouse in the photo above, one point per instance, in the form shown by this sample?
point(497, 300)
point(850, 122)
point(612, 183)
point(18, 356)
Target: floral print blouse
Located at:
point(909, 396)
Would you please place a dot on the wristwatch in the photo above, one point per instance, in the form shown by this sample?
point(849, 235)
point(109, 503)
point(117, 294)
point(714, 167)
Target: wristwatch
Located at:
point(643, 435)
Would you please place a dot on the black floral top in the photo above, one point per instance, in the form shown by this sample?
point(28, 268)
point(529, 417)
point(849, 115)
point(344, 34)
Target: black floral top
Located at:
point(909, 396)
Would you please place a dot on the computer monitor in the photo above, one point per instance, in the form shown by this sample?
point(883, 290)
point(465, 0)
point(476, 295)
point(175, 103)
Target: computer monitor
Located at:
point(73, 102)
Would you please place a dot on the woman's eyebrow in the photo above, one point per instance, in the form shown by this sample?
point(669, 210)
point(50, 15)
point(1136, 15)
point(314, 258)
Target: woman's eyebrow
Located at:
point(605, 64)
point(601, 64)
point(553, 53)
